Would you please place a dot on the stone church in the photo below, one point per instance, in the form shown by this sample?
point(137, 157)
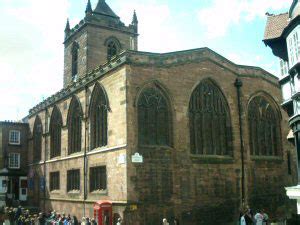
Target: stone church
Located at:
point(210, 134)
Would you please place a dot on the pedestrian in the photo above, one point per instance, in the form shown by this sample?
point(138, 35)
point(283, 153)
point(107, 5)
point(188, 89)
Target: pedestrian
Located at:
point(119, 221)
point(176, 221)
point(93, 221)
point(165, 221)
point(266, 217)
point(75, 221)
point(246, 218)
point(83, 221)
point(87, 221)
point(259, 218)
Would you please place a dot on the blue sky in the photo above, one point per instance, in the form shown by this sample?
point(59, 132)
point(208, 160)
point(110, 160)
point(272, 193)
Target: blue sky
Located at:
point(31, 50)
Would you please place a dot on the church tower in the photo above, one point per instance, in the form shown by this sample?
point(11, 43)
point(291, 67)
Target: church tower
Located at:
point(95, 40)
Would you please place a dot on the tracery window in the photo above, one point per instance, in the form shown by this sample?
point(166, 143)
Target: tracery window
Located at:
point(74, 126)
point(55, 133)
point(75, 50)
point(37, 139)
point(209, 118)
point(153, 118)
point(112, 49)
point(264, 128)
point(98, 118)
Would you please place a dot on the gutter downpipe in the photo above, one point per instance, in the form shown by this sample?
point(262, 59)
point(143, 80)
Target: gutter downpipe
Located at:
point(45, 155)
point(85, 150)
point(238, 84)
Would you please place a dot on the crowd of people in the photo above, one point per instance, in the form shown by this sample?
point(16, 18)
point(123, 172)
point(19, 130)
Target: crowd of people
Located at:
point(21, 216)
point(248, 217)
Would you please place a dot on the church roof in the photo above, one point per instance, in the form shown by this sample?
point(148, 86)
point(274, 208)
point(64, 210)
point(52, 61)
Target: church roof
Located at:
point(276, 25)
point(103, 9)
point(155, 60)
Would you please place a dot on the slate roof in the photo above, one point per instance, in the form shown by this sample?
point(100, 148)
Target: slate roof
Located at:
point(276, 25)
point(103, 9)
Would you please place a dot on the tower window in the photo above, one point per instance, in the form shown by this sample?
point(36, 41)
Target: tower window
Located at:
point(113, 47)
point(112, 50)
point(75, 50)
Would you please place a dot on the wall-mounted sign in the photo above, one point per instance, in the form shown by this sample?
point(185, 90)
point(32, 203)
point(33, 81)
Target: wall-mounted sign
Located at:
point(122, 159)
point(137, 158)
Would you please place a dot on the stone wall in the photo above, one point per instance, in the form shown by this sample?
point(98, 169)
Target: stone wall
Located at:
point(201, 189)
point(115, 85)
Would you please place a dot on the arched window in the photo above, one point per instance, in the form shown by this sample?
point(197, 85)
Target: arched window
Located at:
point(113, 46)
point(209, 118)
point(98, 118)
point(112, 50)
point(153, 118)
point(37, 139)
point(55, 133)
point(264, 127)
point(75, 49)
point(74, 126)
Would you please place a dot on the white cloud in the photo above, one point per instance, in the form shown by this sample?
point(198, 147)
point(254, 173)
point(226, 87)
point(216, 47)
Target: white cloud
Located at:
point(222, 14)
point(158, 31)
point(31, 57)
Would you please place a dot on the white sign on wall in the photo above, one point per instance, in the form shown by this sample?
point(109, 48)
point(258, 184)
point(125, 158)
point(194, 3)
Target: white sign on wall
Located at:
point(122, 159)
point(137, 158)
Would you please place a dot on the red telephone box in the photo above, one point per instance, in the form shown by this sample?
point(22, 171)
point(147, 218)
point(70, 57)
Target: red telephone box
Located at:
point(103, 212)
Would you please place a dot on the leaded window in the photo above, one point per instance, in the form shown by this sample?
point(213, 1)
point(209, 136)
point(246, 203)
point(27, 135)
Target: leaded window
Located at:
point(209, 118)
point(73, 180)
point(74, 126)
point(98, 178)
point(54, 181)
point(55, 133)
point(75, 50)
point(98, 118)
point(264, 128)
point(112, 49)
point(37, 139)
point(153, 118)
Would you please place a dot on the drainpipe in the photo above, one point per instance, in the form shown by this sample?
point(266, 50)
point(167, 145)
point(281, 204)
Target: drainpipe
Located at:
point(238, 84)
point(45, 155)
point(85, 151)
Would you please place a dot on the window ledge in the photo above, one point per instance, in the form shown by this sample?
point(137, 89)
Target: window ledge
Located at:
point(100, 192)
point(56, 191)
point(15, 144)
point(267, 158)
point(14, 168)
point(155, 146)
point(74, 192)
point(212, 159)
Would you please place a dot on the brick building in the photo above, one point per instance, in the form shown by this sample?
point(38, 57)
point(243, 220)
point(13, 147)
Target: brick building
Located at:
point(13, 162)
point(211, 133)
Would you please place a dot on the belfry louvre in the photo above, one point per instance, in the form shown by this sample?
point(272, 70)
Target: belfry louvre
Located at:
point(211, 132)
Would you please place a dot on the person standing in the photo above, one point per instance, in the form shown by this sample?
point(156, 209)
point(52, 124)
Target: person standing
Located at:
point(259, 218)
point(266, 217)
point(119, 221)
point(165, 221)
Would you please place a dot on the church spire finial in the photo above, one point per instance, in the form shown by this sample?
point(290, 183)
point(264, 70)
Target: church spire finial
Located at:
point(135, 22)
point(134, 18)
point(67, 29)
point(88, 7)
